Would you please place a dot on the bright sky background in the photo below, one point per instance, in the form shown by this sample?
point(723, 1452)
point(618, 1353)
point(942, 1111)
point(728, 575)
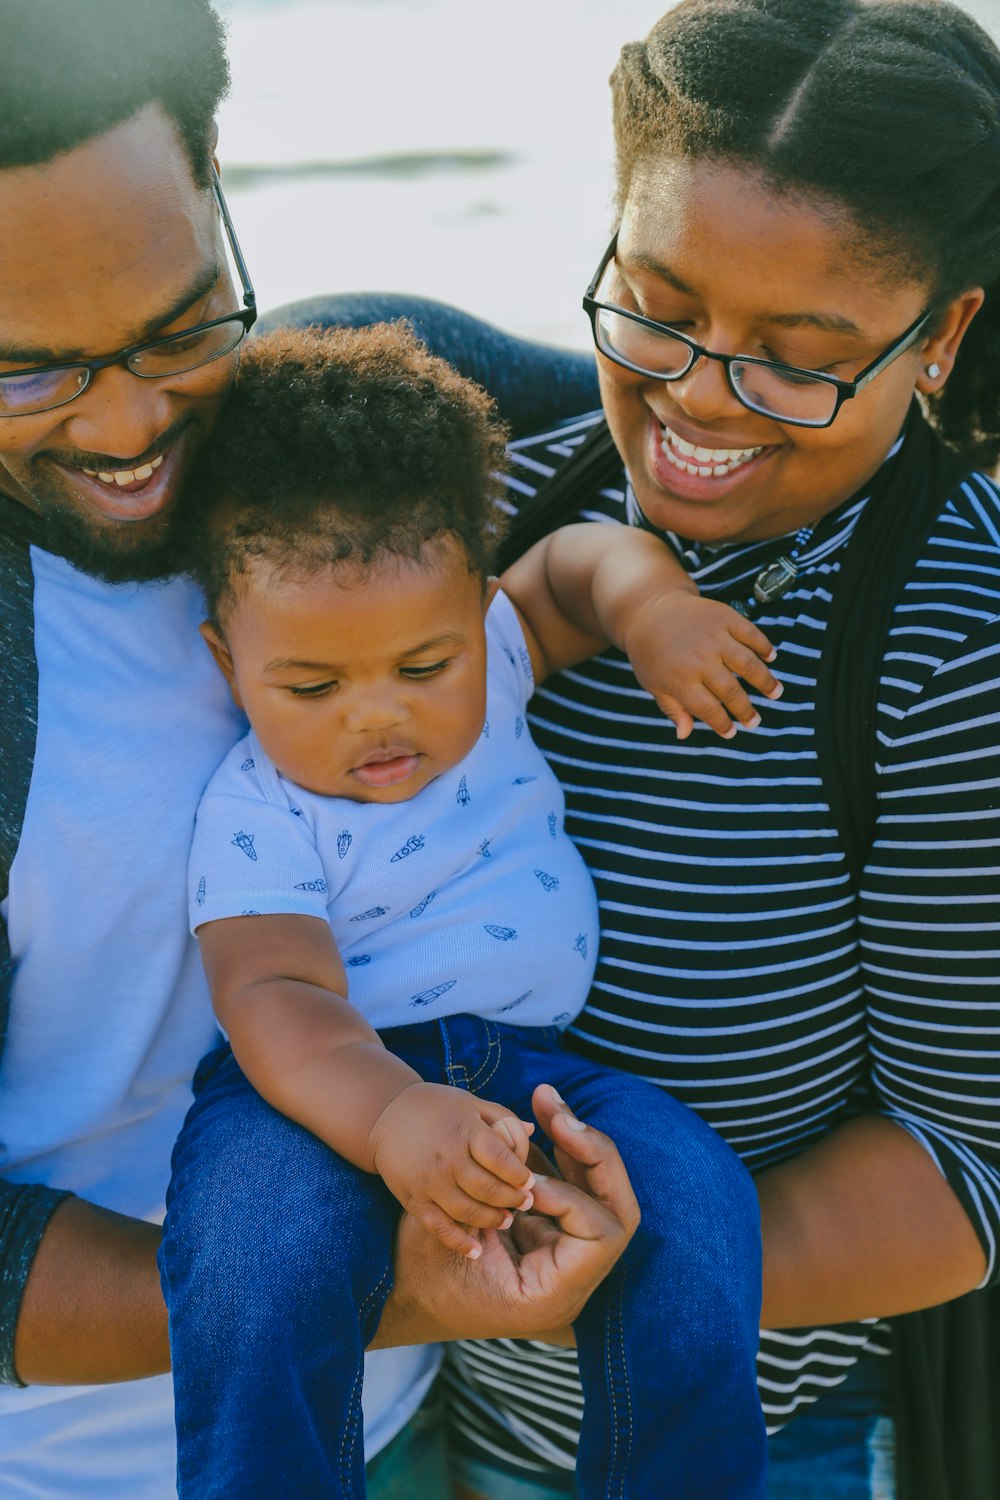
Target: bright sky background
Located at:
point(459, 149)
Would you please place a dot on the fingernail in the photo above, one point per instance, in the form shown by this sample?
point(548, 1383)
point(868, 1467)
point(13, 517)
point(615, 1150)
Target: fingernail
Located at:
point(573, 1122)
point(753, 721)
point(506, 1221)
point(528, 1202)
point(530, 1182)
point(556, 1096)
point(730, 732)
point(474, 1253)
point(772, 655)
point(777, 691)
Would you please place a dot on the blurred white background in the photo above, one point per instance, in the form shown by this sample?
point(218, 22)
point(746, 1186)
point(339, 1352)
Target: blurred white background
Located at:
point(459, 149)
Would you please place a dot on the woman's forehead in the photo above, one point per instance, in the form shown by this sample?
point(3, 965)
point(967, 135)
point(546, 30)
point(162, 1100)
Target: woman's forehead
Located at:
point(721, 230)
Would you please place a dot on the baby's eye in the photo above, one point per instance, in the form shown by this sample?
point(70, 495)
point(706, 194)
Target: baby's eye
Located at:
point(311, 689)
point(428, 671)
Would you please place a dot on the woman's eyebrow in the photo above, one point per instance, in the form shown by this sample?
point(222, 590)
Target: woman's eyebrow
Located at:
point(26, 355)
point(825, 322)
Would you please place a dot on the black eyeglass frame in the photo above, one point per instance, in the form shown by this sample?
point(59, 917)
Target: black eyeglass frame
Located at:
point(247, 315)
point(845, 389)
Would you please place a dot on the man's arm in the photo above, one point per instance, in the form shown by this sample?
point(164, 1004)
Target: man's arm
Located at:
point(92, 1310)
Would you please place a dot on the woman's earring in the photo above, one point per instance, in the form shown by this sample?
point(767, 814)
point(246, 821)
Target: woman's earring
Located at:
point(933, 371)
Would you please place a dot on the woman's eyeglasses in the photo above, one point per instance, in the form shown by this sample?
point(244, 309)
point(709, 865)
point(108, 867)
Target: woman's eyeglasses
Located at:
point(802, 398)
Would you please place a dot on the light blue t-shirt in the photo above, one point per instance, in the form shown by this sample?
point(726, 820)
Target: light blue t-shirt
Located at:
point(470, 898)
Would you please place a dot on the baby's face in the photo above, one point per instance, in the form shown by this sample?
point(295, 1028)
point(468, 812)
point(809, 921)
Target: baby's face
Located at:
point(366, 687)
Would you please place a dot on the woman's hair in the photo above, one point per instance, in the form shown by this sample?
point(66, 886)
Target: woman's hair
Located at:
point(343, 446)
point(74, 69)
point(890, 108)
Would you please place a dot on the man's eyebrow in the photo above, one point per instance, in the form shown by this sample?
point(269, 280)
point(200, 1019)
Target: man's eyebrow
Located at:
point(293, 664)
point(20, 354)
point(826, 322)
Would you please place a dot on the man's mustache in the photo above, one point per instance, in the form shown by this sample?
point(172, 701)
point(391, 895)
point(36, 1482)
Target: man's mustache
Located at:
point(82, 458)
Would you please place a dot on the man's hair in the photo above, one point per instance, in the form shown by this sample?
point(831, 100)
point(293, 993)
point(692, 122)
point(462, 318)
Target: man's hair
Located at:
point(343, 446)
point(73, 69)
point(888, 108)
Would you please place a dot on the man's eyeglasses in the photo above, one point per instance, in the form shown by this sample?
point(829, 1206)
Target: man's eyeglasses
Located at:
point(802, 398)
point(24, 393)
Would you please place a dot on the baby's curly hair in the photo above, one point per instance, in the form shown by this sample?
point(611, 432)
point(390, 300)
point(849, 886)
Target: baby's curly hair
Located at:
point(343, 446)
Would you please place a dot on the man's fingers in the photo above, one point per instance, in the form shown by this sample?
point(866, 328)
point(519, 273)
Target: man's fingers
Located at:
point(587, 1159)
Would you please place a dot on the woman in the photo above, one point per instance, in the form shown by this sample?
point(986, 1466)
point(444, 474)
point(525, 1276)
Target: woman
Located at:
point(815, 185)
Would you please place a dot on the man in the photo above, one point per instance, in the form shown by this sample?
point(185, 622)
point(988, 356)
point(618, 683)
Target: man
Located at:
point(112, 244)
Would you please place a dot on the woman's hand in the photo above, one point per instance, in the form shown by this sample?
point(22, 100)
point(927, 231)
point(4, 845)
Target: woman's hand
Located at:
point(690, 652)
point(536, 1276)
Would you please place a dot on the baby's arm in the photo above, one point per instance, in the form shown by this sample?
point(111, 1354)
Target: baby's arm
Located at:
point(588, 586)
point(279, 990)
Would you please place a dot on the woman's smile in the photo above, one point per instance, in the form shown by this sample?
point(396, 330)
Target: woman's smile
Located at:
point(700, 467)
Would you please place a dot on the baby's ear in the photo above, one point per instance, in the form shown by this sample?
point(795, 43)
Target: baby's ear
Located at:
point(216, 643)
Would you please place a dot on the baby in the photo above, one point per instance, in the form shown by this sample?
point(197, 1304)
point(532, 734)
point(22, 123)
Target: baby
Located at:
point(394, 923)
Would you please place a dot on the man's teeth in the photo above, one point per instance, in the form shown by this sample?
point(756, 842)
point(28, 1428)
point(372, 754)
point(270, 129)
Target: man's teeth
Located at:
point(121, 477)
point(705, 462)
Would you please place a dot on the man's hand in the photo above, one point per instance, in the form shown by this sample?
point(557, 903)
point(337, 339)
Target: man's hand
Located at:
point(453, 1161)
point(535, 1277)
point(690, 652)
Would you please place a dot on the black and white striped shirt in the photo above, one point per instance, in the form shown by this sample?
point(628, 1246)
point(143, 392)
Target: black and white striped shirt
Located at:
point(735, 968)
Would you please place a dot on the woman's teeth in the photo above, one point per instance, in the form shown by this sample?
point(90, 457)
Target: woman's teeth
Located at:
point(704, 461)
point(122, 477)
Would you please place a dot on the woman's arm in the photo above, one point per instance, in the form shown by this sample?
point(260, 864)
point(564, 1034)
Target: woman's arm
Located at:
point(862, 1225)
point(901, 1210)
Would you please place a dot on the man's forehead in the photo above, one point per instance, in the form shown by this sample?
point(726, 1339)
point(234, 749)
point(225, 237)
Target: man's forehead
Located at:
point(105, 241)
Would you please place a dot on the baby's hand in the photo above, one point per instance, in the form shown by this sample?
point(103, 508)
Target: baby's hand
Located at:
point(689, 651)
point(453, 1160)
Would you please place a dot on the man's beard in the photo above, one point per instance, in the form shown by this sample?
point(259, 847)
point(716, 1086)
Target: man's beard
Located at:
point(114, 551)
point(135, 552)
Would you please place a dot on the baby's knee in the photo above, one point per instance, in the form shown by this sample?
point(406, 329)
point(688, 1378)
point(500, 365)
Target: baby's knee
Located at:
point(270, 1227)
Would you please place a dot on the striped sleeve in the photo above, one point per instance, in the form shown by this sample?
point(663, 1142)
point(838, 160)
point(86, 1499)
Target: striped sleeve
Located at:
point(930, 906)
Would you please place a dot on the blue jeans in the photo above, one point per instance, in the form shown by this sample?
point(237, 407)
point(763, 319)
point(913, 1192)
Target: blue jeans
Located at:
point(841, 1449)
point(277, 1260)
